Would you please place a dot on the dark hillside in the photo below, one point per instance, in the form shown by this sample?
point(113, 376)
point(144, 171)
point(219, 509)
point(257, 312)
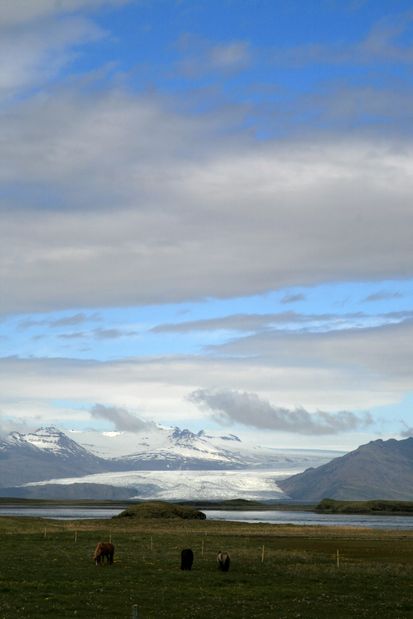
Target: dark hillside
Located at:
point(378, 470)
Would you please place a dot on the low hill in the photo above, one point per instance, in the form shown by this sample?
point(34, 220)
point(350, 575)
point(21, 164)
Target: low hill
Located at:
point(161, 509)
point(332, 506)
point(378, 470)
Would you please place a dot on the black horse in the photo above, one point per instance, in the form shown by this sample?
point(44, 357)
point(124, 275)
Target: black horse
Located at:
point(187, 559)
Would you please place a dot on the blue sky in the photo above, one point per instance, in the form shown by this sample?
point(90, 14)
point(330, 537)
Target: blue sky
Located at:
point(206, 215)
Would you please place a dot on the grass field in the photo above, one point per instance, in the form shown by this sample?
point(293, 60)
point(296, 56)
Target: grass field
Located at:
point(47, 571)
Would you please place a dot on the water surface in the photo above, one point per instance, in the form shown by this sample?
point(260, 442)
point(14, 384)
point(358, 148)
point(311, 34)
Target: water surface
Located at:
point(60, 513)
point(311, 518)
point(266, 516)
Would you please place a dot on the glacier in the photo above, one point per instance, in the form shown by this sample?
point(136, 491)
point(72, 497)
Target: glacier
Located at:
point(189, 485)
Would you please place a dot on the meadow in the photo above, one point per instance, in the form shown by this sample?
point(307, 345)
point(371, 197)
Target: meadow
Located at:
point(276, 571)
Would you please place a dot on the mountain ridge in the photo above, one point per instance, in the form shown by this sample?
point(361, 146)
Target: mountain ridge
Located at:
point(23, 460)
point(377, 470)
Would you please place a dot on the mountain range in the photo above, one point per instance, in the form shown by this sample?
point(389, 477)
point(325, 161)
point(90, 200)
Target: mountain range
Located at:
point(170, 463)
point(96, 464)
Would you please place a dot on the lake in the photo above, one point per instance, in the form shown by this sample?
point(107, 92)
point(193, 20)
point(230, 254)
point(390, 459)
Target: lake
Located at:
point(311, 518)
point(267, 516)
point(60, 513)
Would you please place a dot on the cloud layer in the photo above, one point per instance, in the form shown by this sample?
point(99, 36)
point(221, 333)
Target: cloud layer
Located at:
point(129, 192)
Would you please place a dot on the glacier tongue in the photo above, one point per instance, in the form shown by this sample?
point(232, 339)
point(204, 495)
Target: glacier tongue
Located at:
point(187, 485)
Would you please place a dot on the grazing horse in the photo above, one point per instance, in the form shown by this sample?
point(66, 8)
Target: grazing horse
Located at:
point(187, 559)
point(223, 560)
point(102, 550)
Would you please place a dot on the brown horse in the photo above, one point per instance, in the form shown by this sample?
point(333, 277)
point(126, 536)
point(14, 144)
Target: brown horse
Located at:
point(223, 560)
point(102, 550)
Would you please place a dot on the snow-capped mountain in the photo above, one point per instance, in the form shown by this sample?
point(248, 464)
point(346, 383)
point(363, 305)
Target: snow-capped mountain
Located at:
point(119, 464)
point(172, 448)
point(158, 444)
point(42, 454)
point(49, 440)
point(176, 449)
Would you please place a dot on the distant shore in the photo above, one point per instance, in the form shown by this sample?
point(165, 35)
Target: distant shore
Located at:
point(327, 506)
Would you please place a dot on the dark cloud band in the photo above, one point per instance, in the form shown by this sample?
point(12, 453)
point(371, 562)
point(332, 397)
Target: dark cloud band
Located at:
point(250, 410)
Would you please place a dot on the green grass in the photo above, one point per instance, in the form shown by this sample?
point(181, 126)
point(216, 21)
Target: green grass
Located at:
point(46, 573)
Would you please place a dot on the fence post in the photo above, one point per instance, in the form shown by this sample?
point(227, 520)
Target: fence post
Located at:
point(135, 611)
point(262, 553)
point(338, 557)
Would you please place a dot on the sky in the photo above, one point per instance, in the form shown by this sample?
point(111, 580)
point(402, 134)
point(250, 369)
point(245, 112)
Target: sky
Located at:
point(206, 217)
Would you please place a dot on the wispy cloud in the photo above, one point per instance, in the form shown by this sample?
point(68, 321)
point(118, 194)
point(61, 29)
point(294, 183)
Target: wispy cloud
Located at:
point(99, 334)
point(250, 410)
point(65, 321)
point(234, 322)
point(383, 43)
point(293, 298)
point(200, 56)
point(75, 335)
point(288, 321)
point(382, 295)
point(113, 334)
